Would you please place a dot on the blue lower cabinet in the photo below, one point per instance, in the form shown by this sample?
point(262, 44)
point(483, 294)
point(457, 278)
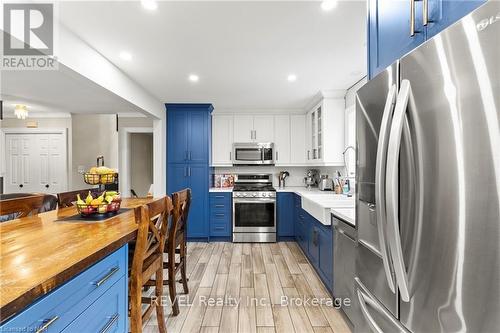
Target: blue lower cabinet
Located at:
point(103, 283)
point(326, 255)
point(107, 314)
point(198, 211)
point(220, 215)
point(313, 248)
point(285, 214)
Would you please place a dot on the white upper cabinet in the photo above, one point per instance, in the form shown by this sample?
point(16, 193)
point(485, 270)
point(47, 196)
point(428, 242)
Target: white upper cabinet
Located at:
point(325, 133)
point(298, 139)
point(263, 128)
point(282, 139)
point(243, 128)
point(222, 139)
point(253, 128)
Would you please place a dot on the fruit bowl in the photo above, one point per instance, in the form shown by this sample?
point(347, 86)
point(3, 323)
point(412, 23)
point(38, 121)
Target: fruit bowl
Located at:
point(103, 204)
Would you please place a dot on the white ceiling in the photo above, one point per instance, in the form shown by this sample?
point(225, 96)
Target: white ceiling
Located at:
point(56, 92)
point(242, 51)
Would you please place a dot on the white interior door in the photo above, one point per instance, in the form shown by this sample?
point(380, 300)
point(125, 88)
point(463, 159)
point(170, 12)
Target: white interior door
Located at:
point(35, 162)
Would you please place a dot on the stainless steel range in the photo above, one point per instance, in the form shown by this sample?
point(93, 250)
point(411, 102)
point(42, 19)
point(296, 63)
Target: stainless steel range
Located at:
point(254, 208)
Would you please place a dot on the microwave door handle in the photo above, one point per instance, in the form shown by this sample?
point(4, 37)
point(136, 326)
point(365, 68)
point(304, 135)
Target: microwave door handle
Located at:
point(380, 164)
point(392, 189)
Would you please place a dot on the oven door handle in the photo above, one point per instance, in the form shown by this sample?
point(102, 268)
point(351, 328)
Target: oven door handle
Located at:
point(256, 200)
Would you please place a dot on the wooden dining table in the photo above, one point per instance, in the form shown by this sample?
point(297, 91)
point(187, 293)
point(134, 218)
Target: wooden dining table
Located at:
point(40, 253)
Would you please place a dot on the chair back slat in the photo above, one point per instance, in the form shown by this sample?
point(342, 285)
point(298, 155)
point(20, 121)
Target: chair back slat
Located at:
point(22, 206)
point(66, 199)
point(181, 201)
point(152, 220)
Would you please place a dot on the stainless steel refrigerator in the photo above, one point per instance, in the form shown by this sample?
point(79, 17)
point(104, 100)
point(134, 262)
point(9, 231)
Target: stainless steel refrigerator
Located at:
point(428, 185)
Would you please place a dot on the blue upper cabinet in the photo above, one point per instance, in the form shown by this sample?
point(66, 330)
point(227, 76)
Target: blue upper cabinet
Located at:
point(442, 14)
point(395, 27)
point(389, 32)
point(188, 150)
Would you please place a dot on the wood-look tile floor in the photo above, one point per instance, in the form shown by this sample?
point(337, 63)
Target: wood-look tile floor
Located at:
point(259, 276)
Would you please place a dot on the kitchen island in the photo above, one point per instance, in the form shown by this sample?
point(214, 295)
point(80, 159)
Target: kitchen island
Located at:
point(41, 256)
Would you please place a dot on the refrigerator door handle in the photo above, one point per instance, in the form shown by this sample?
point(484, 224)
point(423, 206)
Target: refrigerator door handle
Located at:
point(380, 201)
point(392, 188)
point(366, 314)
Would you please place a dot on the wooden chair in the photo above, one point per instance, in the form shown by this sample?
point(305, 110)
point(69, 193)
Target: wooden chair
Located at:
point(152, 220)
point(66, 199)
point(21, 206)
point(176, 244)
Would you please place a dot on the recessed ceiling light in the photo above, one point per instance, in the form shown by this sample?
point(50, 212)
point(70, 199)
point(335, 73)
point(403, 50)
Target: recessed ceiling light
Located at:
point(327, 5)
point(194, 78)
point(292, 78)
point(149, 4)
point(125, 55)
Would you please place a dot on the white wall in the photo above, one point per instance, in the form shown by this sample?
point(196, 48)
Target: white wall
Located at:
point(93, 135)
point(351, 92)
point(141, 162)
point(296, 178)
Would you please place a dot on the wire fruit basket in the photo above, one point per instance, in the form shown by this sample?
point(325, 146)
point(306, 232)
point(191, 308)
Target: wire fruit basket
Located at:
point(100, 179)
point(103, 208)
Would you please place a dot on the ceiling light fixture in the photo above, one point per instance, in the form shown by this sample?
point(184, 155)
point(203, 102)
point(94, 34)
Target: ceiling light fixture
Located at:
point(125, 55)
point(21, 111)
point(194, 78)
point(292, 78)
point(327, 5)
point(149, 4)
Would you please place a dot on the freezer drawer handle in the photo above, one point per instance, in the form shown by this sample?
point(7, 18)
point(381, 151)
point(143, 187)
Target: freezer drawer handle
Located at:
point(362, 303)
point(380, 168)
point(346, 235)
point(392, 188)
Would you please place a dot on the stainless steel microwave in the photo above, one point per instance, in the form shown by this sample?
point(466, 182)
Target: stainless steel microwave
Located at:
point(252, 153)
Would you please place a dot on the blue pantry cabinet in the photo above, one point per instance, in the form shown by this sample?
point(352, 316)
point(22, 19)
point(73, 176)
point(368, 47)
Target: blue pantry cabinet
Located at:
point(188, 160)
point(389, 26)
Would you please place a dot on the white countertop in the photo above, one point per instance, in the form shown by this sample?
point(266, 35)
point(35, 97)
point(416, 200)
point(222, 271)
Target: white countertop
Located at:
point(346, 214)
point(319, 203)
point(221, 189)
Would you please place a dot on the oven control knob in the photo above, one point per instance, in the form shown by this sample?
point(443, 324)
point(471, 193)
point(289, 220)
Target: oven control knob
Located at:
point(254, 194)
point(244, 194)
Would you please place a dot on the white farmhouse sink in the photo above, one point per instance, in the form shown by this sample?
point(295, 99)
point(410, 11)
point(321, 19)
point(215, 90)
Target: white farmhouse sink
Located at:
point(319, 205)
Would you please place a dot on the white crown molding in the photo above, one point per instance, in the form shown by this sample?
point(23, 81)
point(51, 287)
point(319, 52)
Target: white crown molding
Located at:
point(258, 111)
point(325, 94)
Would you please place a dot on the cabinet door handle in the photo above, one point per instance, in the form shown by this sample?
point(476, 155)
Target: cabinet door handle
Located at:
point(186, 156)
point(46, 185)
point(110, 323)
point(230, 157)
point(106, 277)
point(189, 171)
point(412, 18)
point(185, 171)
point(46, 324)
point(425, 14)
point(276, 155)
point(308, 153)
point(189, 155)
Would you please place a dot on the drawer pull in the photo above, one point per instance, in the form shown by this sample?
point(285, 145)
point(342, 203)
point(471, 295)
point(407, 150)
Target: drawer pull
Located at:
point(219, 214)
point(109, 324)
point(219, 206)
point(46, 324)
point(219, 228)
point(106, 277)
point(219, 196)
